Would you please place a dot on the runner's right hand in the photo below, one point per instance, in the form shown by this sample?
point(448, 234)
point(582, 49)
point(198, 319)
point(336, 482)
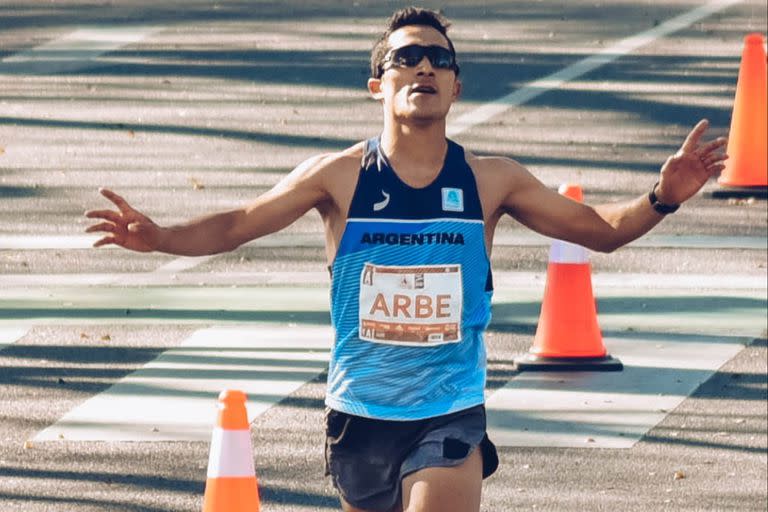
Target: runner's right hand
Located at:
point(126, 227)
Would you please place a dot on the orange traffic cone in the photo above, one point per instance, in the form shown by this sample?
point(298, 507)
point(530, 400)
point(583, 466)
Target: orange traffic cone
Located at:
point(746, 170)
point(568, 336)
point(231, 485)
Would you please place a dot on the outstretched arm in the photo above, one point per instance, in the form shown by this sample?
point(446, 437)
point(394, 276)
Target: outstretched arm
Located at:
point(608, 227)
point(297, 193)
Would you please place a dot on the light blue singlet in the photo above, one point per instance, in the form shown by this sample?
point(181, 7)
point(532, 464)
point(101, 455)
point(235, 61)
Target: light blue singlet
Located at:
point(411, 294)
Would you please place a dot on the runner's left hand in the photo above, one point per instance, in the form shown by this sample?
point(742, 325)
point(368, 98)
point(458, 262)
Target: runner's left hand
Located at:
point(685, 172)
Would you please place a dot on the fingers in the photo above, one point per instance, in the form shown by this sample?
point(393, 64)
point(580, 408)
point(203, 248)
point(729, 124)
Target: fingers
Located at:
point(692, 140)
point(715, 167)
point(105, 241)
point(714, 163)
point(110, 215)
point(120, 227)
point(103, 226)
point(712, 158)
point(113, 220)
point(106, 227)
point(710, 154)
point(121, 203)
point(714, 145)
point(104, 214)
point(715, 171)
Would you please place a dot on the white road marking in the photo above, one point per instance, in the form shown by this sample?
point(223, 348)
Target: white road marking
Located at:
point(46, 242)
point(181, 264)
point(173, 398)
point(490, 110)
point(164, 273)
point(605, 409)
point(74, 51)
point(10, 334)
point(512, 238)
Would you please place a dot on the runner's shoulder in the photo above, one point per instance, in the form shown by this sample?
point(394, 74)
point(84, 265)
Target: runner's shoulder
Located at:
point(338, 164)
point(495, 168)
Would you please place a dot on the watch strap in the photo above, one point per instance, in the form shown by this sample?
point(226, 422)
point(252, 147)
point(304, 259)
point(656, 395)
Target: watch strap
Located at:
point(661, 208)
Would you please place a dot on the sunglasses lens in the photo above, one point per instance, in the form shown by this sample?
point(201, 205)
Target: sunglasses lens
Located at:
point(439, 57)
point(411, 55)
point(408, 56)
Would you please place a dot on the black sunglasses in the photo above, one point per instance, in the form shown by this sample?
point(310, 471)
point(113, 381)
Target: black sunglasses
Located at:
point(409, 56)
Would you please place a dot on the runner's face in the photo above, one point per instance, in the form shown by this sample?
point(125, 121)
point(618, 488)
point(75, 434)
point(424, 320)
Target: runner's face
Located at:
point(418, 93)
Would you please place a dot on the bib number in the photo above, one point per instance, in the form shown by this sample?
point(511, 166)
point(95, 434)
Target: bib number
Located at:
point(419, 305)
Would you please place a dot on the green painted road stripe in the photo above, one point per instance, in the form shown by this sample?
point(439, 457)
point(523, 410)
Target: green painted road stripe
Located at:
point(737, 311)
point(501, 279)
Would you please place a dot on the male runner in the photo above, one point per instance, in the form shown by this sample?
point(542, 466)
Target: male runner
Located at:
point(409, 218)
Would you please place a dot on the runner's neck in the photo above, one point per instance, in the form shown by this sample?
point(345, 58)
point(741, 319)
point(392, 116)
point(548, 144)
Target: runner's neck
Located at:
point(416, 154)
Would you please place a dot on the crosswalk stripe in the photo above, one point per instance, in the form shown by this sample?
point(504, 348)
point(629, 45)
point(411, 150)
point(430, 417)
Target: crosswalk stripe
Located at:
point(576, 409)
point(491, 109)
point(606, 409)
point(73, 51)
point(174, 396)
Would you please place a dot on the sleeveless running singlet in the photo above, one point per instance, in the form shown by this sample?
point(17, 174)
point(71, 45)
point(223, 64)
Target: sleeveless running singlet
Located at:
point(410, 295)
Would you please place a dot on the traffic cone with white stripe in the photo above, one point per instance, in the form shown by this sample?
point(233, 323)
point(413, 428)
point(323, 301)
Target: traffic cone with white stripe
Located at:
point(568, 336)
point(231, 485)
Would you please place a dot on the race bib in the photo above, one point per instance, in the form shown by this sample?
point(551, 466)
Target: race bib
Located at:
point(418, 305)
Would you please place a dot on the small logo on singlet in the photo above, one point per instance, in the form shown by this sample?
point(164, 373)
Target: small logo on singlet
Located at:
point(377, 207)
point(453, 200)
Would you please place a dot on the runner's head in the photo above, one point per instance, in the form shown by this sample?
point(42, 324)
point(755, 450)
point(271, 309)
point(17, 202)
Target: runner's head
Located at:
point(410, 16)
point(413, 66)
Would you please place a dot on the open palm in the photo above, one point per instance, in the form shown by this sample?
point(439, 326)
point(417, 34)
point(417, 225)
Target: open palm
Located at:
point(126, 227)
point(685, 172)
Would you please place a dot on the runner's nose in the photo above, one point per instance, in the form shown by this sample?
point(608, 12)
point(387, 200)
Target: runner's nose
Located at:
point(424, 67)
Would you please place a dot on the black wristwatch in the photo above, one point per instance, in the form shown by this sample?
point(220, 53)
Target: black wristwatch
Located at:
point(662, 208)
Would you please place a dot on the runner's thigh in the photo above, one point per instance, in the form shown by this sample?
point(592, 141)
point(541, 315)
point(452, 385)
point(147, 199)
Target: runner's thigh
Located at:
point(445, 489)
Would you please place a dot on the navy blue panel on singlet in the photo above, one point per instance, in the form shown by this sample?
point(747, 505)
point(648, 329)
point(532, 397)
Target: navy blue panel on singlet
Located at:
point(405, 202)
point(410, 294)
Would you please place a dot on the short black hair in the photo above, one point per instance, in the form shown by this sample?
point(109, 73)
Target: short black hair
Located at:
point(403, 18)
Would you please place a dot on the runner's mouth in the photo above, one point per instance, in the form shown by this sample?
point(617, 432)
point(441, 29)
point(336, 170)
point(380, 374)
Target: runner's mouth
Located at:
point(423, 89)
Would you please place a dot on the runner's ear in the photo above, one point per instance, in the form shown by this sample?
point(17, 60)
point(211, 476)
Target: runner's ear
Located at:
point(374, 87)
point(456, 89)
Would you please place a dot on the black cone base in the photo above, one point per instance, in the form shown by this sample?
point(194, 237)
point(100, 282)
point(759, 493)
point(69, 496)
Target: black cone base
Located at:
point(741, 192)
point(535, 363)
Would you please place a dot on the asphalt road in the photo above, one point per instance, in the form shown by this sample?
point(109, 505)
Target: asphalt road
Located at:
point(187, 107)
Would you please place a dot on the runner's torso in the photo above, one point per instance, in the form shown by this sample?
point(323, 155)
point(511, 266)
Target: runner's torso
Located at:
point(410, 295)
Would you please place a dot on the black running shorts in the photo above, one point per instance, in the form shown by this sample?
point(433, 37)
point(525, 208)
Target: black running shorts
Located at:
point(368, 458)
